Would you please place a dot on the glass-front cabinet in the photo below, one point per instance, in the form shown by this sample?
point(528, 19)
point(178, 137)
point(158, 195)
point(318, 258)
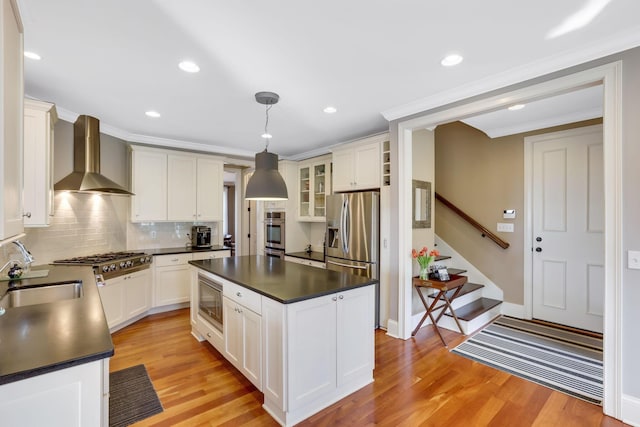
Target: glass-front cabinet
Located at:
point(314, 183)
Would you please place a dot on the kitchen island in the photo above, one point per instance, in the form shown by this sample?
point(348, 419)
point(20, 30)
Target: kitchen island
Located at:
point(54, 357)
point(302, 335)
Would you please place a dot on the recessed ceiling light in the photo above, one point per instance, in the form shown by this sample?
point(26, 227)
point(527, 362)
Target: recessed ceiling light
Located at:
point(153, 114)
point(330, 110)
point(32, 55)
point(451, 60)
point(516, 107)
point(189, 67)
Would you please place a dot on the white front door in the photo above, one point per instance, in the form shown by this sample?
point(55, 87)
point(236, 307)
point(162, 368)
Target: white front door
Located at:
point(568, 228)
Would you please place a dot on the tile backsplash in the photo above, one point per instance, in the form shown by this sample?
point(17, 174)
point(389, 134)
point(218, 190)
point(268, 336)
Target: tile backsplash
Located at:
point(87, 224)
point(153, 235)
point(82, 224)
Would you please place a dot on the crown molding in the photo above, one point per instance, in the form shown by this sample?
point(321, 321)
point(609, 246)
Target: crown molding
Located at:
point(116, 132)
point(618, 43)
point(564, 119)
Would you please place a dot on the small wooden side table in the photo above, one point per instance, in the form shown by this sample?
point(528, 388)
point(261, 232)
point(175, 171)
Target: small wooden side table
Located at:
point(455, 282)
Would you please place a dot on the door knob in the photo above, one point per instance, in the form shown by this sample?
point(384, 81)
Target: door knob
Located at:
point(538, 239)
point(538, 249)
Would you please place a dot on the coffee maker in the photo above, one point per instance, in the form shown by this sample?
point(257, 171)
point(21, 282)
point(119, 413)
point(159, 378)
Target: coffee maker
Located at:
point(200, 236)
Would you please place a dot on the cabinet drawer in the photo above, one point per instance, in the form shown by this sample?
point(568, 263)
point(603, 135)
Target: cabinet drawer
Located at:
point(210, 255)
point(167, 260)
point(250, 299)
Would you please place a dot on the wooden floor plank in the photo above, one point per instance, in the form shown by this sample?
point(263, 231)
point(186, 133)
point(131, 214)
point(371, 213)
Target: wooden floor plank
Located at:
point(417, 382)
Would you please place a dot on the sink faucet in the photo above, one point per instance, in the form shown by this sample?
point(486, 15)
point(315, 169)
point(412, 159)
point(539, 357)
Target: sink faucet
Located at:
point(28, 258)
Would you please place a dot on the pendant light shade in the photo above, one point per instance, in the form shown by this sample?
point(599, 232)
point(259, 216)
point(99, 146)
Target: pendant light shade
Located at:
point(266, 183)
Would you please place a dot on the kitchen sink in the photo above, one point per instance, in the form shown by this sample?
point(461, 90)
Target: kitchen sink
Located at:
point(19, 297)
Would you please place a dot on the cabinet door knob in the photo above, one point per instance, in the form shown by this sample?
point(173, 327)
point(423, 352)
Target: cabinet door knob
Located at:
point(209, 334)
point(238, 294)
point(27, 214)
point(341, 296)
point(334, 299)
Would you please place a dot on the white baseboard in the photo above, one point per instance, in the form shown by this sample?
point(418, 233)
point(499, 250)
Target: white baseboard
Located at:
point(392, 328)
point(513, 310)
point(631, 410)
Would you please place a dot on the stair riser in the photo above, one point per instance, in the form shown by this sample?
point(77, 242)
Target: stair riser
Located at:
point(464, 299)
point(468, 327)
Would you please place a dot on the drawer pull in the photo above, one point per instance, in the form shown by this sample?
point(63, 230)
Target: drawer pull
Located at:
point(238, 294)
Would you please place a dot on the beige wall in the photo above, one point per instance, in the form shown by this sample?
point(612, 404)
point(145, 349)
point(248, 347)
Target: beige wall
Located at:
point(484, 176)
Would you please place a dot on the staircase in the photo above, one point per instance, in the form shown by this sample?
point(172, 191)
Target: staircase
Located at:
point(472, 308)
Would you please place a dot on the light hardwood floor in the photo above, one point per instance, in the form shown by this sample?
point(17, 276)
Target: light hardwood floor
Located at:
point(418, 382)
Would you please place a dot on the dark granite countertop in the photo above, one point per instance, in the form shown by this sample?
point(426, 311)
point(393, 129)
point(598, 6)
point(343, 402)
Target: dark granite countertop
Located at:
point(285, 282)
point(184, 250)
point(43, 338)
point(311, 256)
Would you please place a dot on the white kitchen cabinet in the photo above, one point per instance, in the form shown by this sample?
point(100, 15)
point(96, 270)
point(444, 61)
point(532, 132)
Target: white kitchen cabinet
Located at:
point(112, 297)
point(181, 188)
point(302, 261)
point(175, 186)
point(243, 331)
point(195, 188)
point(357, 166)
point(148, 184)
point(210, 181)
point(11, 120)
point(171, 276)
point(126, 297)
point(316, 351)
point(75, 396)
point(171, 281)
point(314, 183)
point(137, 293)
point(39, 120)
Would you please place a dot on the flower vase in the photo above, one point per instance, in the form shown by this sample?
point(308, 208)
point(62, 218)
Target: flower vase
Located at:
point(424, 273)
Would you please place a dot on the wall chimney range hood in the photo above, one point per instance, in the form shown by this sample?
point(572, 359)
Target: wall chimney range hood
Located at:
point(86, 175)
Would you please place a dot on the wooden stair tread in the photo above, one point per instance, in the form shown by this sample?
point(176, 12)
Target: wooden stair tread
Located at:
point(455, 271)
point(441, 258)
point(476, 308)
point(466, 289)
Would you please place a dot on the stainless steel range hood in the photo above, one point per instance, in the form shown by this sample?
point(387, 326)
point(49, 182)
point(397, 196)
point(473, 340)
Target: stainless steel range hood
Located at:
point(86, 175)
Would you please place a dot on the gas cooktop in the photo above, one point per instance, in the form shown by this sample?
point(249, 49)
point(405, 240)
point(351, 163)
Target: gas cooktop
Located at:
point(112, 264)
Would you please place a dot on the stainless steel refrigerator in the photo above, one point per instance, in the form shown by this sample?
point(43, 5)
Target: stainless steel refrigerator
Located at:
point(353, 236)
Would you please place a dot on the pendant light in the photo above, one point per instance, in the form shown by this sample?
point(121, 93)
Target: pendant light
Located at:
point(266, 182)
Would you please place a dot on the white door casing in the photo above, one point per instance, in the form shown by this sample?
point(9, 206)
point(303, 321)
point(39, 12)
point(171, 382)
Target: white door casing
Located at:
point(568, 228)
point(611, 76)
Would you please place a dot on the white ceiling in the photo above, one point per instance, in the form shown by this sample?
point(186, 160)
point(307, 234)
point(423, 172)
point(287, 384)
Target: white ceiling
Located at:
point(583, 104)
point(371, 59)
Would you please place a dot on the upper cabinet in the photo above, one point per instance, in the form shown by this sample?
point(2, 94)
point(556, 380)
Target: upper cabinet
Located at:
point(357, 165)
point(148, 184)
point(11, 119)
point(209, 183)
point(39, 120)
point(314, 183)
point(175, 186)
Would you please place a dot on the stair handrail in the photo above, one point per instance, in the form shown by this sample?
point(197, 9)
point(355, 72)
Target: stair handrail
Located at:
point(484, 230)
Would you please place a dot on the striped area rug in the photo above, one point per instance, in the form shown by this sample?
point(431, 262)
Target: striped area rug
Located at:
point(562, 360)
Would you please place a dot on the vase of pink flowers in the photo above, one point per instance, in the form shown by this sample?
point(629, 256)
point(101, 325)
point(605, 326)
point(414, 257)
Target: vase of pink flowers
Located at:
point(424, 258)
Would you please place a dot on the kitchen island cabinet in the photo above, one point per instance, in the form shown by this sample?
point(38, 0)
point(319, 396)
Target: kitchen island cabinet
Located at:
point(317, 336)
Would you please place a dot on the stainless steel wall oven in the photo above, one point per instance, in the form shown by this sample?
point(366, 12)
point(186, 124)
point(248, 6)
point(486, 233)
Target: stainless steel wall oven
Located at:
point(210, 301)
point(274, 230)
